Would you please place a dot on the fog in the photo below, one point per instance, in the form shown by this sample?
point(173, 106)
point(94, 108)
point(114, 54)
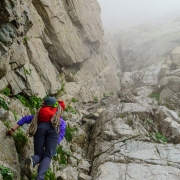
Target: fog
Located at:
point(132, 12)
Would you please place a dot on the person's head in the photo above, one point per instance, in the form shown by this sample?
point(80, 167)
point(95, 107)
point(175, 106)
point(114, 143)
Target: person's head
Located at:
point(52, 101)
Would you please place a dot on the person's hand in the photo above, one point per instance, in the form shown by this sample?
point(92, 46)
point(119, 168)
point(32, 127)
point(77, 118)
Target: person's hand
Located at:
point(9, 132)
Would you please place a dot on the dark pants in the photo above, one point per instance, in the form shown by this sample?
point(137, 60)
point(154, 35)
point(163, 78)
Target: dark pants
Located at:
point(45, 143)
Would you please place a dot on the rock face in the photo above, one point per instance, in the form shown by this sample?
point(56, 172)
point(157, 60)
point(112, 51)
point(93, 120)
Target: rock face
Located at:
point(57, 48)
point(38, 39)
point(73, 30)
point(138, 138)
point(169, 81)
point(49, 47)
point(8, 154)
point(125, 144)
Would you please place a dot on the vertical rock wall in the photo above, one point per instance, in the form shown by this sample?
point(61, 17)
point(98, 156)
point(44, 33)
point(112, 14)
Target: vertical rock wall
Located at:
point(38, 38)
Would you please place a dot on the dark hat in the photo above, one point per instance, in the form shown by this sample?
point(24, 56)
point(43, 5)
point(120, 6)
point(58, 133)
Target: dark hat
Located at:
point(50, 101)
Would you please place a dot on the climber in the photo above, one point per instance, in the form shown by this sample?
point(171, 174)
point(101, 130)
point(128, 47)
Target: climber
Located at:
point(49, 133)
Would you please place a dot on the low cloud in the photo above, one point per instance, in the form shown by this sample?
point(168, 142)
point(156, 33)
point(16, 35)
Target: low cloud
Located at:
point(137, 11)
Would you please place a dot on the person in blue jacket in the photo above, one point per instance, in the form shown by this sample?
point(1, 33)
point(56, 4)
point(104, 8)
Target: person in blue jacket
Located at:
point(46, 138)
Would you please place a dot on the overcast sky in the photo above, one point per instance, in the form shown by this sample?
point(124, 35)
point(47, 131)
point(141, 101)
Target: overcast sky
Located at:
point(137, 11)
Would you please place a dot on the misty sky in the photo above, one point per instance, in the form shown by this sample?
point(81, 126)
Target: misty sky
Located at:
point(137, 11)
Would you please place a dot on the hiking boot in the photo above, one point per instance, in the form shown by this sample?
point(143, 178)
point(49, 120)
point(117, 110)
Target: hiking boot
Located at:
point(28, 167)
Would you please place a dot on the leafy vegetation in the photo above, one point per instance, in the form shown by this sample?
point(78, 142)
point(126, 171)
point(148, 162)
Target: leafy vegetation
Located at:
point(25, 39)
point(33, 102)
point(50, 175)
point(95, 98)
point(159, 136)
point(70, 133)
point(123, 115)
point(62, 90)
point(15, 114)
point(7, 124)
point(130, 122)
point(64, 154)
point(108, 94)
point(23, 100)
point(111, 93)
point(6, 91)
point(27, 72)
point(20, 140)
point(3, 104)
point(155, 95)
point(34, 175)
point(70, 109)
point(74, 100)
point(6, 173)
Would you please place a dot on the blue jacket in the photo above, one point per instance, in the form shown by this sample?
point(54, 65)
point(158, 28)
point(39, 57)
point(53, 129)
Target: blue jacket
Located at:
point(62, 127)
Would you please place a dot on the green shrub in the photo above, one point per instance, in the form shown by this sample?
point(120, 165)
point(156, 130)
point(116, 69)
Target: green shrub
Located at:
point(70, 133)
point(74, 100)
point(6, 173)
point(154, 95)
point(20, 140)
point(7, 124)
point(64, 154)
point(73, 111)
point(3, 104)
point(122, 115)
point(69, 109)
point(25, 39)
point(111, 93)
point(159, 136)
point(6, 91)
point(23, 100)
point(95, 98)
point(33, 102)
point(27, 72)
point(15, 114)
point(50, 175)
point(34, 175)
point(130, 122)
point(62, 90)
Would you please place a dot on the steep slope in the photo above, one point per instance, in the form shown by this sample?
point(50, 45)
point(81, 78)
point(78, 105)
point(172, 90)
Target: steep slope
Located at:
point(138, 137)
point(39, 38)
point(57, 47)
point(52, 48)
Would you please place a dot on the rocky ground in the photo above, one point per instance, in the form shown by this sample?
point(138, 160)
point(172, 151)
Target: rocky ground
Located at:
point(122, 126)
point(132, 135)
